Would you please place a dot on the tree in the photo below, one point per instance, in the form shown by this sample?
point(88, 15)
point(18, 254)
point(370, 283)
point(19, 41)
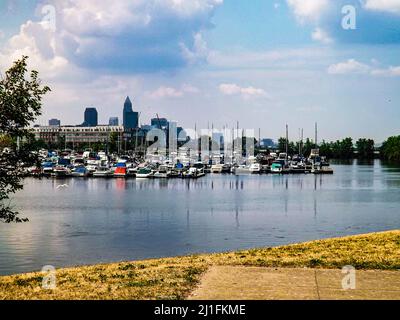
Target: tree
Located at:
point(20, 104)
point(113, 142)
point(325, 149)
point(347, 148)
point(365, 148)
point(390, 149)
point(5, 141)
point(282, 144)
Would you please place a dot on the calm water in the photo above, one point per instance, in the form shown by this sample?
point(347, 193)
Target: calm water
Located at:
point(95, 221)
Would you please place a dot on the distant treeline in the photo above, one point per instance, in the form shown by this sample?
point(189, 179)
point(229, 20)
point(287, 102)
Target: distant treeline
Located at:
point(347, 149)
point(341, 149)
point(390, 149)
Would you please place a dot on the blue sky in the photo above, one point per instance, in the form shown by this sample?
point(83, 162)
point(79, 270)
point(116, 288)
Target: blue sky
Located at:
point(264, 63)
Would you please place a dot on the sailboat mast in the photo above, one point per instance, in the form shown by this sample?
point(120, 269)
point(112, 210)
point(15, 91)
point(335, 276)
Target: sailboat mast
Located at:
point(287, 141)
point(301, 144)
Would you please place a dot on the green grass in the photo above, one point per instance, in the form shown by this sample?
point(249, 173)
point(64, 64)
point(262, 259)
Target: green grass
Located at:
point(174, 278)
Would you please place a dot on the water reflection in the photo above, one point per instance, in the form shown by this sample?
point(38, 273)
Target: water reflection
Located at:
point(100, 220)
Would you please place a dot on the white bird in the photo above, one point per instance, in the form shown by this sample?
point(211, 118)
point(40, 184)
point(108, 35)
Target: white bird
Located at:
point(62, 186)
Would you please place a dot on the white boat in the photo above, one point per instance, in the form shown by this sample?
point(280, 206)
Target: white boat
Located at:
point(47, 171)
point(92, 165)
point(193, 173)
point(162, 172)
point(217, 168)
point(132, 171)
point(103, 172)
point(91, 168)
point(321, 167)
point(60, 172)
point(255, 168)
point(34, 171)
point(144, 173)
point(276, 167)
point(242, 169)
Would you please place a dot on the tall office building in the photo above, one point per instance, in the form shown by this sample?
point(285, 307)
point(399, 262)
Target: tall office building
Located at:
point(91, 117)
point(54, 123)
point(159, 123)
point(130, 118)
point(113, 121)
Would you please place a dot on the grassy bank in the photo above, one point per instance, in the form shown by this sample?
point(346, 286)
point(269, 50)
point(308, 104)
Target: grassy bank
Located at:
point(174, 278)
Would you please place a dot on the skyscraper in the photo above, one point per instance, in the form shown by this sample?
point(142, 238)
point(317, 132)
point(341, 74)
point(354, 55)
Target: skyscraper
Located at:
point(54, 123)
point(91, 117)
point(159, 123)
point(113, 121)
point(130, 118)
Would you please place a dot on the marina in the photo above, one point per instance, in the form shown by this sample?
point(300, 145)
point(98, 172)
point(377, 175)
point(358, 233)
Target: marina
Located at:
point(64, 164)
point(77, 221)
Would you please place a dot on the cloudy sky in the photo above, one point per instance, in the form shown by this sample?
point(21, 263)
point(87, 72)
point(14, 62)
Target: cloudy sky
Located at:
point(262, 62)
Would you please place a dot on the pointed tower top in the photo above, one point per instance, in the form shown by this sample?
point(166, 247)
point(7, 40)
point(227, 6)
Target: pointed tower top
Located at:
point(128, 105)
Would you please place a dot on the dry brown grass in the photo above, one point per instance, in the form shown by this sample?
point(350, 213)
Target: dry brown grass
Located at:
point(174, 278)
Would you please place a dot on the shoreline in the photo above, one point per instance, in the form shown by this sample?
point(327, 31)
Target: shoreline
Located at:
point(176, 277)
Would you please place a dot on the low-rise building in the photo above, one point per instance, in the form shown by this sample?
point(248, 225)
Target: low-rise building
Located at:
point(76, 134)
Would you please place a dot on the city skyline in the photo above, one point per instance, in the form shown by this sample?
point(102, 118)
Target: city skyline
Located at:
point(285, 62)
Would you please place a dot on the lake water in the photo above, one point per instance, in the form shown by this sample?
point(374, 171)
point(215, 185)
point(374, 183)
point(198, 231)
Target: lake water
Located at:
point(93, 221)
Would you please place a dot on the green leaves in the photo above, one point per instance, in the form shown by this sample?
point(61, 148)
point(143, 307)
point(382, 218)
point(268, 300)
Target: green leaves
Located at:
point(390, 149)
point(20, 104)
point(365, 148)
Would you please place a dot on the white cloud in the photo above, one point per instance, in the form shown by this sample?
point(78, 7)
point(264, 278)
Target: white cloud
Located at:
point(165, 92)
point(132, 35)
point(392, 6)
point(272, 59)
point(349, 66)
point(170, 92)
point(130, 41)
point(389, 72)
point(231, 89)
point(352, 66)
point(97, 17)
point(308, 9)
point(2, 35)
point(312, 11)
point(322, 36)
point(37, 41)
point(199, 52)
point(187, 88)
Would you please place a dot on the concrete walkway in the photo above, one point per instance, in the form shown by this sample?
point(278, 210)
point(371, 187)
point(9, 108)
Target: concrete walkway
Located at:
point(254, 283)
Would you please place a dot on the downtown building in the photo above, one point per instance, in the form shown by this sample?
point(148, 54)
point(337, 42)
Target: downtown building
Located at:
point(91, 118)
point(76, 135)
point(86, 133)
point(91, 132)
point(130, 118)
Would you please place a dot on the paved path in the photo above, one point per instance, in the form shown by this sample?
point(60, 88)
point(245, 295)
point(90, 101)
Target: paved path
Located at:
point(254, 283)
